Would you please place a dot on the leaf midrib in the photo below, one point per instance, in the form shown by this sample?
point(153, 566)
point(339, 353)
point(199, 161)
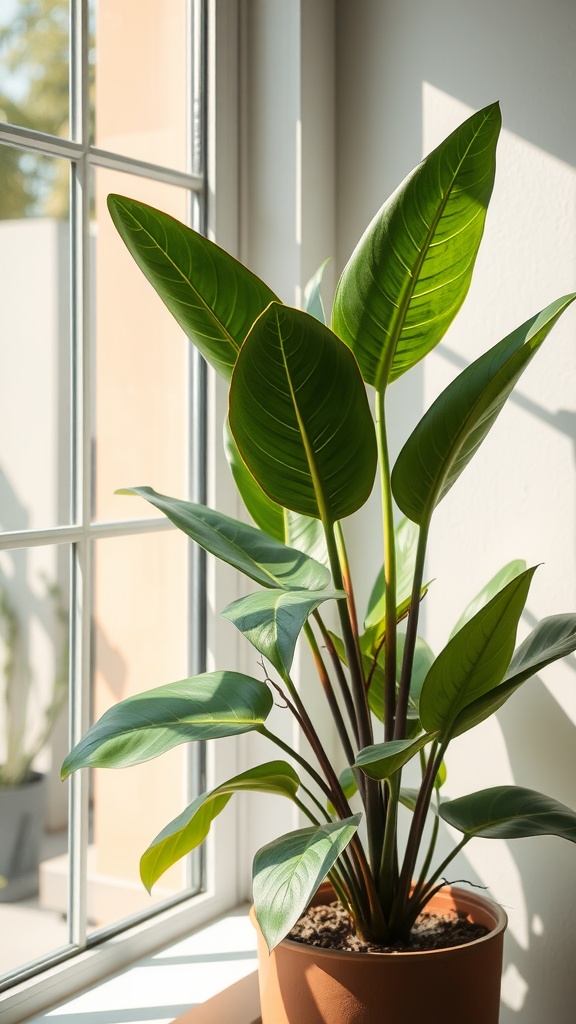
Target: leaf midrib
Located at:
point(402, 307)
point(185, 279)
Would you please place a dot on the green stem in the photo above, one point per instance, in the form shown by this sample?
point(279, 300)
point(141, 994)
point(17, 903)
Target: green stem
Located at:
point(411, 634)
point(420, 897)
point(348, 890)
point(372, 799)
point(320, 782)
point(339, 801)
point(416, 830)
point(389, 570)
point(389, 867)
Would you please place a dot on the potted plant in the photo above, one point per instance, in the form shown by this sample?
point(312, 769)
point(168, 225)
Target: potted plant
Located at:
point(305, 450)
point(26, 727)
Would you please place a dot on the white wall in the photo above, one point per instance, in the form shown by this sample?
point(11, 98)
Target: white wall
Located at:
point(408, 72)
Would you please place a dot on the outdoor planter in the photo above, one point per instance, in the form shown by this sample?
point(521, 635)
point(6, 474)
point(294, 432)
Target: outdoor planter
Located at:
point(22, 812)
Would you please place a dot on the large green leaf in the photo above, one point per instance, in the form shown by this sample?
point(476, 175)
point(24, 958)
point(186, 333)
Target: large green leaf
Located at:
point(509, 812)
point(259, 556)
point(454, 426)
point(272, 620)
point(191, 827)
point(507, 573)
point(553, 638)
point(205, 707)
point(411, 270)
point(300, 416)
point(214, 298)
point(267, 514)
point(288, 871)
point(381, 760)
point(476, 659)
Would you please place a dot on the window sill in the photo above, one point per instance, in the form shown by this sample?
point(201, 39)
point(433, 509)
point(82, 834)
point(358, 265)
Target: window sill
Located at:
point(209, 977)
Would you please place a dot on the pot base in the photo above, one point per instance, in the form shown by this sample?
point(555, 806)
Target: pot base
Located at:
point(301, 984)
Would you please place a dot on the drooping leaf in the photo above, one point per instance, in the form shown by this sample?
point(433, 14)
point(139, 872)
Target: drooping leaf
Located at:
point(553, 638)
point(476, 659)
point(204, 707)
point(191, 827)
point(300, 416)
point(312, 294)
point(267, 514)
point(288, 871)
point(411, 270)
point(214, 298)
point(381, 760)
point(260, 557)
point(273, 619)
point(454, 426)
point(509, 812)
point(507, 573)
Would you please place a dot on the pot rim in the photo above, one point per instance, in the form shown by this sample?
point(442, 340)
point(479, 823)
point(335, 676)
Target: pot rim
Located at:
point(462, 896)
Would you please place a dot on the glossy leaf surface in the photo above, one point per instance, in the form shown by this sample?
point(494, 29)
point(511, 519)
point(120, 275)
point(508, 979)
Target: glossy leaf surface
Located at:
point(382, 760)
point(476, 659)
point(553, 638)
point(509, 812)
point(263, 559)
point(214, 298)
point(507, 573)
point(272, 621)
point(205, 707)
point(452, 429)
point(300, 416)
point(410, 272)
point(190, 828)
point(288, 871)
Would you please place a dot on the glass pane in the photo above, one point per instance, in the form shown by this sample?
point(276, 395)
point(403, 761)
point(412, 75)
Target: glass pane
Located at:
point(34, 45)
point(140, 641)
point(34, 605)
point(144, 43)
point(140, 365)
point(35, 352)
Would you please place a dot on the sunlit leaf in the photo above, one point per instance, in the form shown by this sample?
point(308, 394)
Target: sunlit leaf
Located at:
point(191, 827)
point(204, 707)
point(288, 871)
point(259, 556)
point(214, 298)
point(509, 812)
point(300, 416)
point(411, 270)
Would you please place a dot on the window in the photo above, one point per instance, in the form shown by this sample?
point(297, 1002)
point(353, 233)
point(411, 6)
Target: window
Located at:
point(96, 96)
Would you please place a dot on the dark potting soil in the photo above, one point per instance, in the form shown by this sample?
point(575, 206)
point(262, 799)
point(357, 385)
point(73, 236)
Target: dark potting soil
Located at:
point(331, 928)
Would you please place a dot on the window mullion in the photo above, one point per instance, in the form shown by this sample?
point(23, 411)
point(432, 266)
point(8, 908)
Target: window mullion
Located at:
point(81, 497)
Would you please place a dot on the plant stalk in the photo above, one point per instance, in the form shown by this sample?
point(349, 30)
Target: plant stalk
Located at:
point(389, 570)
point(411, 634)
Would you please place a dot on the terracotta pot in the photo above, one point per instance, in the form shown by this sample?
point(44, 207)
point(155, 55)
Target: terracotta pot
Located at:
point(302, 984)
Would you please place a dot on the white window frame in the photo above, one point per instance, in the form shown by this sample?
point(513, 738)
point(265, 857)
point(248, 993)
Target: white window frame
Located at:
point(54, 978)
